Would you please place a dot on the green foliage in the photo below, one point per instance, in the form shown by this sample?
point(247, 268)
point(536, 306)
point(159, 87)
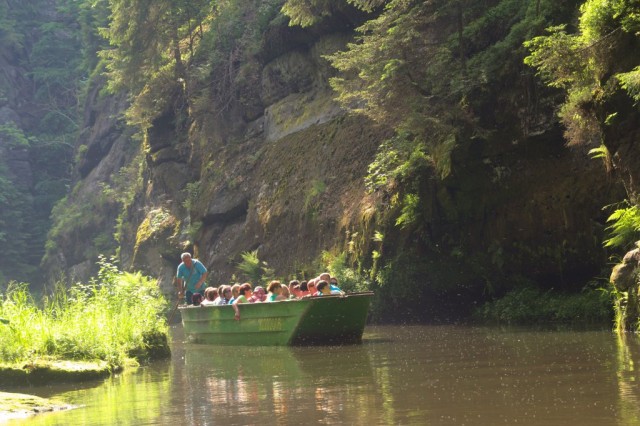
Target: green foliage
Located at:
point(115, 316)
point(10, 36)
point(431, 71)
point(558, 57)
point(82, 216)
point(227, 67)
point(15, 213)
point(418, 66)
point(410, 211)
point(592, 66)
point(630, 81)
point(349, 279)
point(530, 305)
point(192, 191)
point(194, 229)
point(599, 18)
point(307, 12)
point(599, 152)
point(398, 160)
point(318, 187)
point(152, 43)
point(625, 227)
point(68, 215)
point(42, 39)
point(126, 183)
point(13, 136)
point(253, 268)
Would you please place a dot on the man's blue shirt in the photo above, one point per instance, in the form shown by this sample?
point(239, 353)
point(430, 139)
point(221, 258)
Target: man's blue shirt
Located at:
point(192, 276)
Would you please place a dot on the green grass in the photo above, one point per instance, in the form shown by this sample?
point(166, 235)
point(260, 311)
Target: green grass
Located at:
point(114, 318)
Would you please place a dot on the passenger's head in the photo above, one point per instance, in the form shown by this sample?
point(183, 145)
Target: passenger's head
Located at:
point(274, 287)
point(303, 286)
point(311, 286)
point(323, 287)
point(224, 291)
point(245, 290)
point(296, 291)
point(235, 290)
point(196, 299)
point(211, 293)
point(285, 291)
point(325, 276)
point(260, 294)
point(333, 281)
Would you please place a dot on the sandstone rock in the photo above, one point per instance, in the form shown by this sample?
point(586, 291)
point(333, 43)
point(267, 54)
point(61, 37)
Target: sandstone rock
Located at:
point(624, 274)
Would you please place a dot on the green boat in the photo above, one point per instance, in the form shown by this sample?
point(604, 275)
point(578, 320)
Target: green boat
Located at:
point(331, 319)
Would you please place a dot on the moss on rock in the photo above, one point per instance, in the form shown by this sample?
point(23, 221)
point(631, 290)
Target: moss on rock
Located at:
point(43, 372)
point(17, 405)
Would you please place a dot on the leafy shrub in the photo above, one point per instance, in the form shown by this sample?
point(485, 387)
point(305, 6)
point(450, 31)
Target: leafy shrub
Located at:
point(528, 305)
point(624, 228)
point(349, 279)
point(256, 270)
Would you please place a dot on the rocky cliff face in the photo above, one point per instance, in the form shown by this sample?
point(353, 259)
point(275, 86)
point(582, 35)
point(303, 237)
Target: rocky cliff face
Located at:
point(106, 147)
point(284, 173)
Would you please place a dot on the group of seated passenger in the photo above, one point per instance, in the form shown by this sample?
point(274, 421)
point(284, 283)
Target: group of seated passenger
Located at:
point(324, 284)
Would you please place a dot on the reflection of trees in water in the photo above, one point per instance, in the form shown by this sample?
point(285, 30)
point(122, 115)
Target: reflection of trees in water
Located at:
point(135, 396)
point(628, 379)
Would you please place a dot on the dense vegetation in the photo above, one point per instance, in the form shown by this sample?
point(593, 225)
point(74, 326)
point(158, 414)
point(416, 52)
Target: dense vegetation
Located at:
point(114, 318)
point(598, 68)
point(437, 75)
point(43, 56)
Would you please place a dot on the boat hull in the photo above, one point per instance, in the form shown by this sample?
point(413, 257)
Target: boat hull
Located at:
point(315, 320)
point(333, 320)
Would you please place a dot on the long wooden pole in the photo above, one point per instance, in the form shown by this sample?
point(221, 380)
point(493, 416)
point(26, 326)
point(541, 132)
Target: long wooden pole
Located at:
point(175, 308)
point(173, 312)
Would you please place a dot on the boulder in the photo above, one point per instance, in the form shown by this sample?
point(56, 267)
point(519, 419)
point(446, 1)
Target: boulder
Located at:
point(624, 274)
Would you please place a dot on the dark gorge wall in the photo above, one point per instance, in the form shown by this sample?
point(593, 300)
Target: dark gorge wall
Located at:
point(282, 171)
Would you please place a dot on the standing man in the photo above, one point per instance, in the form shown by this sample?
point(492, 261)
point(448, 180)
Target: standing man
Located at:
point(191, 275)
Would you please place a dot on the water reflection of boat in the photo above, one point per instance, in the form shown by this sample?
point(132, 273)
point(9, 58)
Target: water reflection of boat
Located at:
point(314, 320)
point(248, 363)
point(296, 385)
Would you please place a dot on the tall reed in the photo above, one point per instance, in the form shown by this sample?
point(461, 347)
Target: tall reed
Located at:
point(116, 316)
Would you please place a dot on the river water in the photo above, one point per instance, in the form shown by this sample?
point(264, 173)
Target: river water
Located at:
point(419, 375)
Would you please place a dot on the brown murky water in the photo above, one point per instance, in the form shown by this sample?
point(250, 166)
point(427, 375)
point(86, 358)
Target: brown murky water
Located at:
point(421, 375)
